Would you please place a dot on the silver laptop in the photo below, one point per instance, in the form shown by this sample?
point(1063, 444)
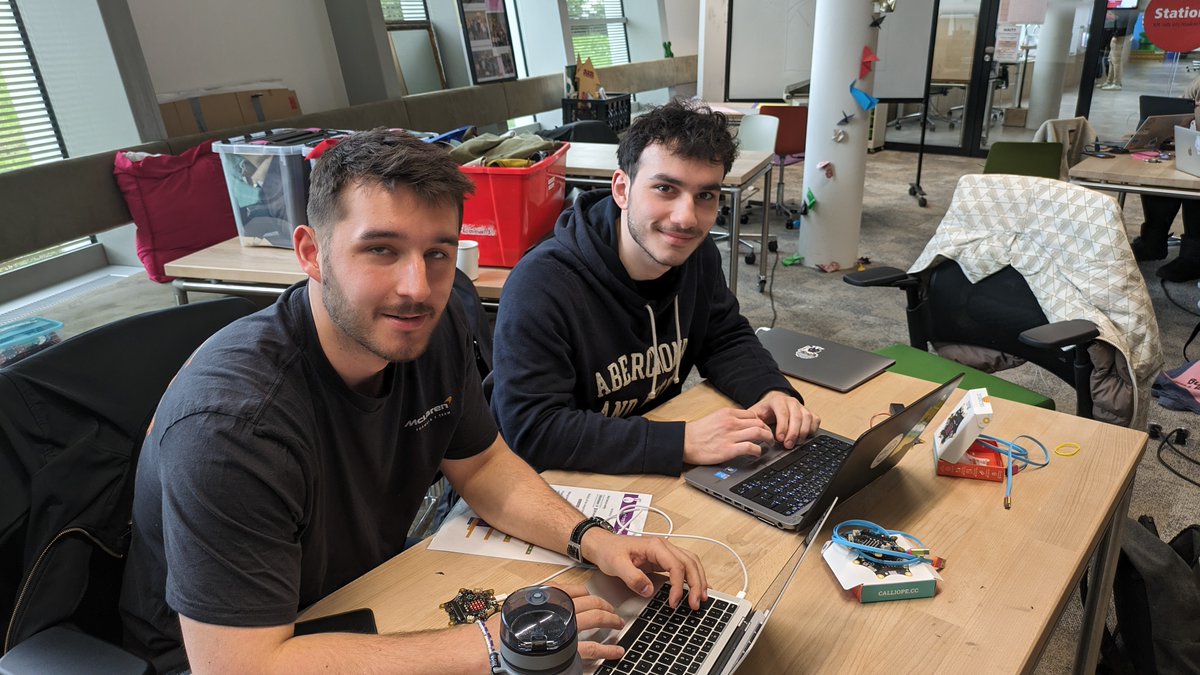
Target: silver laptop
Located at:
point(711, 641)
point(1156, 131)
point(822, 362)
point(790, 488)
point(1187, 150)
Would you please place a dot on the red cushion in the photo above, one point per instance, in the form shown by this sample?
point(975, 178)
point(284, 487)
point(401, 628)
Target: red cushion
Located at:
point(179, 204)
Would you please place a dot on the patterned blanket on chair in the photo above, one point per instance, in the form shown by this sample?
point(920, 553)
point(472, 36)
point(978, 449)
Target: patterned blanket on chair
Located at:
point(1070, 244)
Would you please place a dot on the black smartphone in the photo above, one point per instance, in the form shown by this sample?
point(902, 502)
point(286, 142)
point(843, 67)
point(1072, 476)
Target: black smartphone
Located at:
point(355, 621)
point(1101, 155)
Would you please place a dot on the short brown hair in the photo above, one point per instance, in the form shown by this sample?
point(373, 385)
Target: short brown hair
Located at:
point(388, 158)
point(686, 130)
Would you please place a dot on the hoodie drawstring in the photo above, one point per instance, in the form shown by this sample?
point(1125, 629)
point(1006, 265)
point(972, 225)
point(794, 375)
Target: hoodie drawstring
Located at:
point(654, 348)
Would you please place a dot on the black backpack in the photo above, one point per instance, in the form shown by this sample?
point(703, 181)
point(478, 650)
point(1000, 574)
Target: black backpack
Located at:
point(1156, 591)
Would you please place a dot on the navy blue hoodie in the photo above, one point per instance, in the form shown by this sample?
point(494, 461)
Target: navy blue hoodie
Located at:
point(581, 350)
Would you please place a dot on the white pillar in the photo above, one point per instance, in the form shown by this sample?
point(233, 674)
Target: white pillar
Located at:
point(829, 232)
point(1050, 68)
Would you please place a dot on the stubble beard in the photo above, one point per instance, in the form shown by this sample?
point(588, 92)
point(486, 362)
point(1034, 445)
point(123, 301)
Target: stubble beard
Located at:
point(357, 327)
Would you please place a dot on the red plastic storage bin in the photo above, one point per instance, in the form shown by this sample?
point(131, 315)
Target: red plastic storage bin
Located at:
point(512, 209)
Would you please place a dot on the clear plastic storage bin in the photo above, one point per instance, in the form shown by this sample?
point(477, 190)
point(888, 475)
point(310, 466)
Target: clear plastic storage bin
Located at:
point(267, 177)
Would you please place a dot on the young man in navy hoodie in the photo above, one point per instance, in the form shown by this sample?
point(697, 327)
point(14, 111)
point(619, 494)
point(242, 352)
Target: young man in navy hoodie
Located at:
point(604, 321)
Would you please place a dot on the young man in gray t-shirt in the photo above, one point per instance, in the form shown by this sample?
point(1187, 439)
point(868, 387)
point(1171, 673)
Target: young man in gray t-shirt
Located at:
point(290, 454)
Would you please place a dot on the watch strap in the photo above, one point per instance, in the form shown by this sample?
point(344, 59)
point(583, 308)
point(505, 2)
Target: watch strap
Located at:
point(575, 543)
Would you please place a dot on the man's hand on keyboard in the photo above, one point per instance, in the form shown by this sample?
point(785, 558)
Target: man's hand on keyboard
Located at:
point(630, 558)
point(593, 612)
point(723, 435)
point(792, 421)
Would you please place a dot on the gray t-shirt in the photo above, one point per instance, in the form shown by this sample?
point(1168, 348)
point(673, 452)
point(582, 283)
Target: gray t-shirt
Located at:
point(265, 483)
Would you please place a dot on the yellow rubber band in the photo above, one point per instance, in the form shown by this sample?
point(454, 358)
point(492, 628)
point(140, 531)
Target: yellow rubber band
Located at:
point(1068, 444)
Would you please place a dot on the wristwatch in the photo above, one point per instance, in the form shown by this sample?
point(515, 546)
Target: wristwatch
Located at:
point(576, 540)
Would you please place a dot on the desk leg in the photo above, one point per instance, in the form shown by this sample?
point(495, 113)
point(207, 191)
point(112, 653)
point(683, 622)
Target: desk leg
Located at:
point(763, 247)
point(181, 294)
point(1104, 569)
point(735, 227)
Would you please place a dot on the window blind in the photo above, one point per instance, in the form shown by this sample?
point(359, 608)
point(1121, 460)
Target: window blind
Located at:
point(598, 31)
point(28, 133)
point(404, 10)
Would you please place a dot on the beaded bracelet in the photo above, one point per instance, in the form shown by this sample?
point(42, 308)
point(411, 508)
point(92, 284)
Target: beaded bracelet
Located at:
point(493, 655)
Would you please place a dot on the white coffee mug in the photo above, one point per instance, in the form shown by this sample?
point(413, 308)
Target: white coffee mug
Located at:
point(468, 258)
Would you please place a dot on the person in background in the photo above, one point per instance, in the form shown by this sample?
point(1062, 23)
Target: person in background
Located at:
point(603, 322)
point(1159, 213)
point(291, 452)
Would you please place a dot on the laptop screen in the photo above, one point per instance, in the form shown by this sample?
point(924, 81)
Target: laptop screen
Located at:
point(775, 591)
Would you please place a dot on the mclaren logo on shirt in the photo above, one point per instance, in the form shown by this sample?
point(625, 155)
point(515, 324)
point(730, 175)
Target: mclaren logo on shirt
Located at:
point(440, 410)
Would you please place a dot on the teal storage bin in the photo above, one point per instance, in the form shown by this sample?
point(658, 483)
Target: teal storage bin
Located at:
point(27, 336)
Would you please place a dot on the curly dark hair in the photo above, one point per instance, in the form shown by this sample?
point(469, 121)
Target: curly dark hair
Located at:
point(694, 131)
point(385, 157)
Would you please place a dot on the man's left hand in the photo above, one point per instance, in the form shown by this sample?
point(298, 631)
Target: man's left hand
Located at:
point(787, 416)
point(629, 558)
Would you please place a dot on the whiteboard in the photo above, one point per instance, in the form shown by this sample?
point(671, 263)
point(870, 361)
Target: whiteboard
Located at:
point(904, 41)
point(770, 47)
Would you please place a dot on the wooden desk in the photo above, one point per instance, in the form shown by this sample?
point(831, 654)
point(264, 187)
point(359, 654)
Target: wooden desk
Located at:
point(595, 163)
point(1009, 575)
point(229, 267)
point(1124, 174)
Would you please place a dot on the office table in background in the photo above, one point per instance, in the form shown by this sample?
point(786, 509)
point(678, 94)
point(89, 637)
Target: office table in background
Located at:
point(595, 163)
point(229, 267)
point(1010, 573)
point(1124, 174)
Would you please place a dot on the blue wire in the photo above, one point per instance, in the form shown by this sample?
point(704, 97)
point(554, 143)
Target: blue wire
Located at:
point(904, 557)
point(1015, 453)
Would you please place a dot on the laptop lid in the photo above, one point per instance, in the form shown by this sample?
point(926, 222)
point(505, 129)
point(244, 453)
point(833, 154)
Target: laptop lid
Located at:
point(1156, 131)
point(774, 593)
point(822, 362)
point(1187, 150)
point(875, 452)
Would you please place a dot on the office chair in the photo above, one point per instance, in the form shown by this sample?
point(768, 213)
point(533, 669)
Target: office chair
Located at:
point(583, 131)
point(790, 141)
point(72, 421)
point(1025, 159)
point(756, 132)
point(1030, 269)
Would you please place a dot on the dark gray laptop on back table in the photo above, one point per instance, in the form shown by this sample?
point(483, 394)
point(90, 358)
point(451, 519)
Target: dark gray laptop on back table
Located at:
point(822, 362)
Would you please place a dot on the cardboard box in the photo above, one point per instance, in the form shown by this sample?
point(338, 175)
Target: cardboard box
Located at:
point(1015, 117)
point(979, 462)
point(963, 425)
point(865, 585)
point(224, 111)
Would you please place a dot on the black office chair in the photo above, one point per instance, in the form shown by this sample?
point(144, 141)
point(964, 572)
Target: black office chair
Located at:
point(583, 131)
point(72, 421)
point(1002, 226)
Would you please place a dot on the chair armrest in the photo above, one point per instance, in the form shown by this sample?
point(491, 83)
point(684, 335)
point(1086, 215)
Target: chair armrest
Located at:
point(69, 652)
point(878, 276)
point(1061, 334)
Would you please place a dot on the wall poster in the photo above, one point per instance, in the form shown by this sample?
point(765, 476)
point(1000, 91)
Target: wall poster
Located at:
point(488, 40)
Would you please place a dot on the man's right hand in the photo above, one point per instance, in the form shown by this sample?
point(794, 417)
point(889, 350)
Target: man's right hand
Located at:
point(723, 435)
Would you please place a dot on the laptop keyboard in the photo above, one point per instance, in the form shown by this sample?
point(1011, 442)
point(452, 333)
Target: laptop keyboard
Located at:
point(670, 641)
point(789, 484)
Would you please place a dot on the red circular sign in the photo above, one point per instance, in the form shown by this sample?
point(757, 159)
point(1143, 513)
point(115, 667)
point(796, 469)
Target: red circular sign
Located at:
point(1173, 25)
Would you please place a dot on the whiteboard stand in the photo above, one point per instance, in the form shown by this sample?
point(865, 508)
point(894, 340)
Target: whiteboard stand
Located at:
point(914, 188)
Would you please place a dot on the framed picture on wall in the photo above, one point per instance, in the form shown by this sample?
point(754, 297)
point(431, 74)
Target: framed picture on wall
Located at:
point(488, 40)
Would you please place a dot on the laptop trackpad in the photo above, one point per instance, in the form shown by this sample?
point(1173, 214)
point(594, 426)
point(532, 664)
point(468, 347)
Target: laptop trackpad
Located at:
point(626, 604)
